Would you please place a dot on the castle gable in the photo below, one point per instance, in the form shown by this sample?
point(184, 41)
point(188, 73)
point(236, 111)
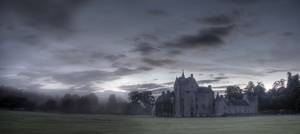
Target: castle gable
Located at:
point(188, 84)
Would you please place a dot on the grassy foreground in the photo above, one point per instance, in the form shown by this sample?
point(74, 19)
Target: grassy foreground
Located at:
point(42, 123)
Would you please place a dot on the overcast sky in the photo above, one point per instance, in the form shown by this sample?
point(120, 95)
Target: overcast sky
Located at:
point(81, 46)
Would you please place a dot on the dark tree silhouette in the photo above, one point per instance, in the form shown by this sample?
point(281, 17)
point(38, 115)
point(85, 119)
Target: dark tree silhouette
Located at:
point(250, 87)
point(116, 105)
point(141, 102)
point(233, 93)
point(50, 105)
point(88, 104)
point(259, 91)
point(69, 103)
point(165, 104)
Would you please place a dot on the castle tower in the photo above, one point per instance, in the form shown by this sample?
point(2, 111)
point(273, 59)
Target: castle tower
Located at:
point(177, 97)
point(182, 75)
point(190, 99)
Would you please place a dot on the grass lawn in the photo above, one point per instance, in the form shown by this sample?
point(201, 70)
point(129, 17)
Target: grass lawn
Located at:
point(43, 123)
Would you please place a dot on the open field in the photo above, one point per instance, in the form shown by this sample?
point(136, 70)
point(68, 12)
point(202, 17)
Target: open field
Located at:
point(42, 123)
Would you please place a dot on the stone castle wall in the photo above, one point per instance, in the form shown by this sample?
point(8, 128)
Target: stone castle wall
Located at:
point(190, 100)
point(222, 108)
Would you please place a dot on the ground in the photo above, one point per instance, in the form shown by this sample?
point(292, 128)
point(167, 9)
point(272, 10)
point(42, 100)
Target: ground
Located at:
point(43, 123)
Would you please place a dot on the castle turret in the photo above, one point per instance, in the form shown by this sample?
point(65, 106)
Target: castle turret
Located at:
point(182, 75)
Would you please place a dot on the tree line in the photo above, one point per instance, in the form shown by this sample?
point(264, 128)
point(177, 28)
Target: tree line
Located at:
point(284, 97)
point(16, 99)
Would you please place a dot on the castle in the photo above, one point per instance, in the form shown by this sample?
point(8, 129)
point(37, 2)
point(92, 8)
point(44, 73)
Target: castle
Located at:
point(190, 100)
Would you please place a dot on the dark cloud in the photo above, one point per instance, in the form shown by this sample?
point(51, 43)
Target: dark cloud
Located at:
point(115, 57)
point(145, 48)
point(212, 36)
point(207, 81)
point(144, 43)
point(205, 38)
point(242, 1)
point(221, 87)
point(19, 83)
point(221, 78)
point(288, 34)
point(145, 37)
point(217, 20)
point(84, 77)
point(43, 14)
point(30, 21)
point(225, 86)
point(83, 88)
point(270, 71)
point(153, 87)
point(193, 41)
point(157, 12)
point(215, 79)
point(31, 75)
point(220, 31)
point(174, 72)
point(126, 71)
point(78, 56)
point(146, 86)
point(174, 52)
point(79, 81)
point(169, 83)
point(158, 62)
point(123, 63)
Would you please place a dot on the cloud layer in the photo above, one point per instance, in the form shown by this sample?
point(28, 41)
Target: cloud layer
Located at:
point(93, 46)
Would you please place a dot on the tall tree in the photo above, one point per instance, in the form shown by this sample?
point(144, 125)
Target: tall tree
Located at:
point(233, 93)
point(142, 102)
point(259, 91)
point(250, 87)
